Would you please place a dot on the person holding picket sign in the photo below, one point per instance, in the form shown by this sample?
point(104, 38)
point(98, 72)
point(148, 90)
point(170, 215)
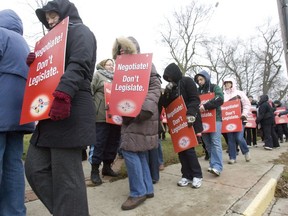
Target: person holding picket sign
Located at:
point(185, 86)
point(212, 140)
point(53, 165)
point(231, 93)
point(139, 134)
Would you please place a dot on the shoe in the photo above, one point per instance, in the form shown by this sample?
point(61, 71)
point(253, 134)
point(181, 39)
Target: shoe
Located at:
point(209, 169)
point(247, 157)
point(107, 171)
point(161, 167)
point(184, 182)
point(281, 141)
point(255, 146)
point(215, 172)
point(154, 181)
point(197, 182)
point(151, 195)
point(133, 202)
point(231, 161)
point(95, 177)
point(267, 148)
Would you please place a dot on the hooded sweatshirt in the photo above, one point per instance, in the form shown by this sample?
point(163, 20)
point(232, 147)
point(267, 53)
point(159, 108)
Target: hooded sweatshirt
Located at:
point(217, 101)
point(233, 93)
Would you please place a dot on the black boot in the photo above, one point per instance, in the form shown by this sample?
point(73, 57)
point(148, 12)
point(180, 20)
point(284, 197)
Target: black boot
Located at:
point(108, 171)
point(95, 177)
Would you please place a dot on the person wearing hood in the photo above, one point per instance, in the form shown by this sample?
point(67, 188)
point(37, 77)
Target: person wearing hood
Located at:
point(212, 140)
point(185, 86)
point(107, 135)
point(231, 93)
point(140, 134)
point(54, 160)
point(266, 118)
point(13, 75)
point(281, 129)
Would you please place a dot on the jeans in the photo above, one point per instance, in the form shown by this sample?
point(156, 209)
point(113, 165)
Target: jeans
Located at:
point(12, 183)
point(152, 158)
point(140, 181)
point(213, 145)
point(237, 137)
point(160, 153)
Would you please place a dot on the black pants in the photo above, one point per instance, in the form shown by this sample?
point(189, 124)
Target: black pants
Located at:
point(270, 136)
point(107, 143)
point(190, 166)
point(57, 178)
point(251, 136)
point(282, 129)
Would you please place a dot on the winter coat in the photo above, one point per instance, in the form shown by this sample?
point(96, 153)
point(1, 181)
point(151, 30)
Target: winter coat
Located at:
point(13, 72)
point(265, 115)
point(217, 101)
point(141, 135)
point(97, 85)
point(233, 93)
point(78, 130)
point(186, 87)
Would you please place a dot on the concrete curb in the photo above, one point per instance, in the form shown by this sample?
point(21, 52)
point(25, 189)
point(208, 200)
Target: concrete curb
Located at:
point(261, 202)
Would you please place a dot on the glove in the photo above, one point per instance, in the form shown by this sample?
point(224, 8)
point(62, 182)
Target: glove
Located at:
point(127, 120)
point(144, 115)
point(61, 105)
point(190, 120)
point(30, 58)
point(243, 118)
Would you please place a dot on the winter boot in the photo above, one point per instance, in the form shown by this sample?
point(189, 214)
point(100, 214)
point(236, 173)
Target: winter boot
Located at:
point(107, 171)
point(95, 177)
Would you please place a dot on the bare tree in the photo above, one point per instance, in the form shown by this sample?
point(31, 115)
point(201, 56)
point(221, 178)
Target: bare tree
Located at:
point(184, 33)
point(269, 54)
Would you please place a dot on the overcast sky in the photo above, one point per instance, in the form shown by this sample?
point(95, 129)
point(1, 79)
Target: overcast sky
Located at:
point(113, 18)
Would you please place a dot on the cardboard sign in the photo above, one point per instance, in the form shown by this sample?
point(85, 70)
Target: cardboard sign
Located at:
point(44, 74)
point(282, 119)
point(251, 121)
point(183, 137)
point(231, 113)
point(111, 119)
point(130, 84)
point(209, 116)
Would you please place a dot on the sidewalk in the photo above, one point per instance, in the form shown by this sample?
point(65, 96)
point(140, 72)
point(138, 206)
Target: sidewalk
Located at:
point(244, 188)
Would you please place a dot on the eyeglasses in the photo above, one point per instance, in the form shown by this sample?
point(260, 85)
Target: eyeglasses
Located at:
point(109, 65)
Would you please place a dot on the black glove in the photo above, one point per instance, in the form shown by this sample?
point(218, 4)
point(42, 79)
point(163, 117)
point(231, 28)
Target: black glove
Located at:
point(127, 120)
point(243, 118)
point(190, 120)
point(144, 115)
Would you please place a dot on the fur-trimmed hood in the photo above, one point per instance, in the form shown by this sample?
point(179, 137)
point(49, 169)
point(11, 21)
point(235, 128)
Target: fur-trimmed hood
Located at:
point(126, 44)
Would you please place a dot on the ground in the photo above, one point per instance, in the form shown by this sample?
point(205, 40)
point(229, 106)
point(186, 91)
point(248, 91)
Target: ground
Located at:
point(282, 185)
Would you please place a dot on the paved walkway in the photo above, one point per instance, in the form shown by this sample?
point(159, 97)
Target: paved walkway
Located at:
point(244, 188)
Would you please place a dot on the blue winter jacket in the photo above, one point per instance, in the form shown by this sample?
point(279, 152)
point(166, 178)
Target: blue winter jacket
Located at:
point(13, 72)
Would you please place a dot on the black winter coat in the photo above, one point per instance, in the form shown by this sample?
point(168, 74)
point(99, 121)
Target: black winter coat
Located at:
point(186, 87)
point(265, 114)
point(78, 130)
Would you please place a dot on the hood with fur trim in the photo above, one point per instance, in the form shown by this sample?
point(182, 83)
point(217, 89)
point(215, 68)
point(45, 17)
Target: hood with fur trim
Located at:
point(126, 44)
point(63, 7)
